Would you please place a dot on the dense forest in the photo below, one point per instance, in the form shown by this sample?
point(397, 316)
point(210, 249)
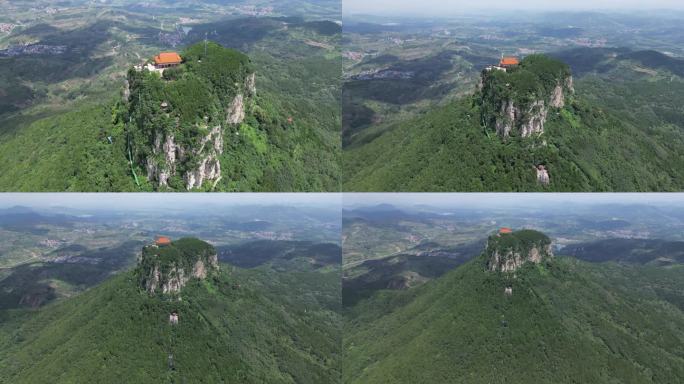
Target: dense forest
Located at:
point(289, 140)
point(564, 321)
point(619, 131)
point(584, 148)
point(247, 326)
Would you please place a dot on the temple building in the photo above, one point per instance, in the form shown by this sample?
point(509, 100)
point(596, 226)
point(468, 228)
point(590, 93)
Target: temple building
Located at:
point(167, 60)
point(162, 241)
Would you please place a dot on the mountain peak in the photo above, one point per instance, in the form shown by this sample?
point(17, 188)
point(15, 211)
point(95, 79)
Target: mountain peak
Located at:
point(516, 97)
point(167, 266)
point(508, 250)
point(179, 109)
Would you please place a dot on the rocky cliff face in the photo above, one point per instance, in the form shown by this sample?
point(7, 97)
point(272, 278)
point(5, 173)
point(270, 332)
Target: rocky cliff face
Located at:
point(166, 153)
point(527, 119)
point(508, 252)
point(167, 269)
point(518, 101)
point(235, 113)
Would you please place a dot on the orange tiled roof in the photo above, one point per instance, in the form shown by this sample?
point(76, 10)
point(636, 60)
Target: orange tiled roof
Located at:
point(163, 240)
point(505, 230)
point(167, 58)
point(509, 61)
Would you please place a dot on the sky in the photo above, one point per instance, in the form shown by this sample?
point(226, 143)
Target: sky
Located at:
point(480, 200)
point(113, 201)
point(445, 7)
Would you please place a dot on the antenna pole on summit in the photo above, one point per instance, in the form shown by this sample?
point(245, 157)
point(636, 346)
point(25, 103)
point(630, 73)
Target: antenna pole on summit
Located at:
point(205, 43)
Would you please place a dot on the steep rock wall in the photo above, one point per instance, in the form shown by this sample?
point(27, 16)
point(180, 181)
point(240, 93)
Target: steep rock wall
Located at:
point(167, 269)
point(508, 252)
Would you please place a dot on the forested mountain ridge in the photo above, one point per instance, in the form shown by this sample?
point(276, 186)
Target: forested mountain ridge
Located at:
point(76, 140)
point(223, 324)
point(553, 320)
point(593, 142)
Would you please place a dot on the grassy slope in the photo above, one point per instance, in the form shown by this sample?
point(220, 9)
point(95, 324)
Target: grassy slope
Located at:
point(226, 334)
point(566, 322)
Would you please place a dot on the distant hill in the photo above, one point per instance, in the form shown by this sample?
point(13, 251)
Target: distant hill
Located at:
point(640, 251)
point(602, 60)
point(402, 271)
point(254, 253)
point(72, 269)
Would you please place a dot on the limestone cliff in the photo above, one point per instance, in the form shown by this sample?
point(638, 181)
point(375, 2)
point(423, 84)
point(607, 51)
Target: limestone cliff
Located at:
point(178, 119)
point(506, 252)
point(166, 269)
point(516, 101)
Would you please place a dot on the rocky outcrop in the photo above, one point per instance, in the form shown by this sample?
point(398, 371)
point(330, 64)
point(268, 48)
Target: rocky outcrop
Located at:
point(510, 251)
point(519, 105)
point(201, 160)
point(208, 165)
point(529, 120)
point(235, 114)
point(167, 269)
point(183, 144)
point(126, 95)
point(542, 175)
point(161, 170)
point(250, 85)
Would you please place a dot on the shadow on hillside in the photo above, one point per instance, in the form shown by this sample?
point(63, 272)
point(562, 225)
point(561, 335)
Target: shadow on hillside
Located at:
point(36, 284)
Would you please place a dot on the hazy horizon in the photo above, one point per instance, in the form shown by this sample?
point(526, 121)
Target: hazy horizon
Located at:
point(482, 200)
point(442, 8)
point(176, 201)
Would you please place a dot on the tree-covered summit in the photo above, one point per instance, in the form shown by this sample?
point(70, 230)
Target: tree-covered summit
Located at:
point(177, 116)
point(518, 240)
point(203, 82)
point(516, 99)
point(535, 77)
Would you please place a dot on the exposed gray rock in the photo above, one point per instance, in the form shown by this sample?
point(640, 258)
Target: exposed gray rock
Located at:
point(126, 91)
point(511, 260)
point(250, 85)
point(510, 253)
point(534, 119)
point(542, 175)
point(557, 97)
point(236, 111)
point(176, 275)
